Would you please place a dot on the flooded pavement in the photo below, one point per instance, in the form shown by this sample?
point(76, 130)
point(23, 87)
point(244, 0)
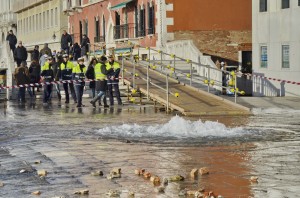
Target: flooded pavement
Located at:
point(71, 143)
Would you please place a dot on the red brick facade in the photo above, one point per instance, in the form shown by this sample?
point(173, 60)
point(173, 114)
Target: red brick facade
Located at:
point(218, 28)
point(116, 26)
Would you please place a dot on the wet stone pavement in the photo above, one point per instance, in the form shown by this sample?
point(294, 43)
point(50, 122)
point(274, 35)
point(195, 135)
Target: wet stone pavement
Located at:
point(70, 143)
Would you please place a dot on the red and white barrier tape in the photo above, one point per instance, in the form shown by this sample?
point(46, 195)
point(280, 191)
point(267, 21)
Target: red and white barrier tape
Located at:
point(274, 79)
point(54, 83)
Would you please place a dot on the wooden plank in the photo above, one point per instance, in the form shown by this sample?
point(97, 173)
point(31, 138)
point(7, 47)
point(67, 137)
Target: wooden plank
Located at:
point(191, 101)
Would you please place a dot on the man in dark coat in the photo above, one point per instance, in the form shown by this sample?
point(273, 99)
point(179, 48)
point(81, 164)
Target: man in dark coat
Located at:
point(20, 53)
point(85, 45)
point(21, 77)
point(35, 73)
point(66, 42)
point(46, 50)
point(12, 40)
point(35, 55)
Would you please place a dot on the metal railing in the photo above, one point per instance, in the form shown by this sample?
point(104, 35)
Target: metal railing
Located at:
point(228, 82)
point(99, 39)
point(125, 31)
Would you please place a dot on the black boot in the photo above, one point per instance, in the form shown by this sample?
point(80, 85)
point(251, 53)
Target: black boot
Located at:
point(93, 102)
point(105, 103)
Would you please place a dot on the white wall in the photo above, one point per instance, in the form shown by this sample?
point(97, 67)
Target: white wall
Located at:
point(275, 28)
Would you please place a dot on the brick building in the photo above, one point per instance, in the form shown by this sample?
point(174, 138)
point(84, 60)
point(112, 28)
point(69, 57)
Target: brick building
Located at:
point(221, 29)
point(111, 24)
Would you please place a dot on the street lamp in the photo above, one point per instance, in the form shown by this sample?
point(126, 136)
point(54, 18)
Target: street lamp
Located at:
point(54, 36)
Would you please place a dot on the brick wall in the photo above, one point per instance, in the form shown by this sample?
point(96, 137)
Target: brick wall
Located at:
point(215, 43)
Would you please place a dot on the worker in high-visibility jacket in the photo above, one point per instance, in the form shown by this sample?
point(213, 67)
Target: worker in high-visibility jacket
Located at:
point(113, 80)
point(65, 73)
point(101, 81)
point(79, 72)
point(47, 76)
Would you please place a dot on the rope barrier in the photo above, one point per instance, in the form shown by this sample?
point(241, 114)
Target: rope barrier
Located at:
point(56, 83)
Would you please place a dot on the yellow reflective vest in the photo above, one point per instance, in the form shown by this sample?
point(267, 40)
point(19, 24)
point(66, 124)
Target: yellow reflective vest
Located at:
point(115, 65)
point(66, 70)
point(98, 73)
point(78, 73)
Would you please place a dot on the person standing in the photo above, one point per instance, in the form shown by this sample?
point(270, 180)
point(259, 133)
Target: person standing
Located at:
point(35, 55)
point(21, 76)
point(35, 74)
point(90, 74)
point(79, 72)
point(46, 50)
point(65, 72)
point(85, 45)
point(47, 78)
point(55, 67)
point(113, 80)
point(20, 53)
point(66, 42)
point(76, 51)
point(101, 84)
point(12, 40)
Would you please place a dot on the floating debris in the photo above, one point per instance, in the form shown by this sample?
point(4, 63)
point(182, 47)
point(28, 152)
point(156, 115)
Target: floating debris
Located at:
point(254, 179)
point(113, 193)
point(42, 173)
point(176, 178)
point(82, 192)
point(194, 173)
point(155, 180)
point(204, 171)
point(147, 175)
point(38, 162)
point(97, 173)
point(36, 193)
point(139, 171)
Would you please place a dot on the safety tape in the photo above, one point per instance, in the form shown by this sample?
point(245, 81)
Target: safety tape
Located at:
point(55, 83)
point(274, 79)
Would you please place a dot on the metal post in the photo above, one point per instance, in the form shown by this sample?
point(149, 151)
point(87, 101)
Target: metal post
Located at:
point(148, 73)
point(174, 65)
point(191, 74)
point(208, 78)
point(133, 75)
point(235, 86)
point(167, 85)
point(161, 57)
point(122, 70)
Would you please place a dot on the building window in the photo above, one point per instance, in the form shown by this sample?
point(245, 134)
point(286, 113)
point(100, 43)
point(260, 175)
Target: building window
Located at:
point(97, 30)
point(142, 29)
point(44, 20)
point(40, 22)
point(285, 56)
point(56, 16)
point(151, 19)
point(51, 18)
point(48, 17)
point(285, 4)
point(103, 28)
point(298, 2)
point(263, 57)
point(263, 5)
point(136, 18)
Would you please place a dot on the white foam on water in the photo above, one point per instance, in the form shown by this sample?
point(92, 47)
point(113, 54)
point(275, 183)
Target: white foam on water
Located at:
point(177, 127)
